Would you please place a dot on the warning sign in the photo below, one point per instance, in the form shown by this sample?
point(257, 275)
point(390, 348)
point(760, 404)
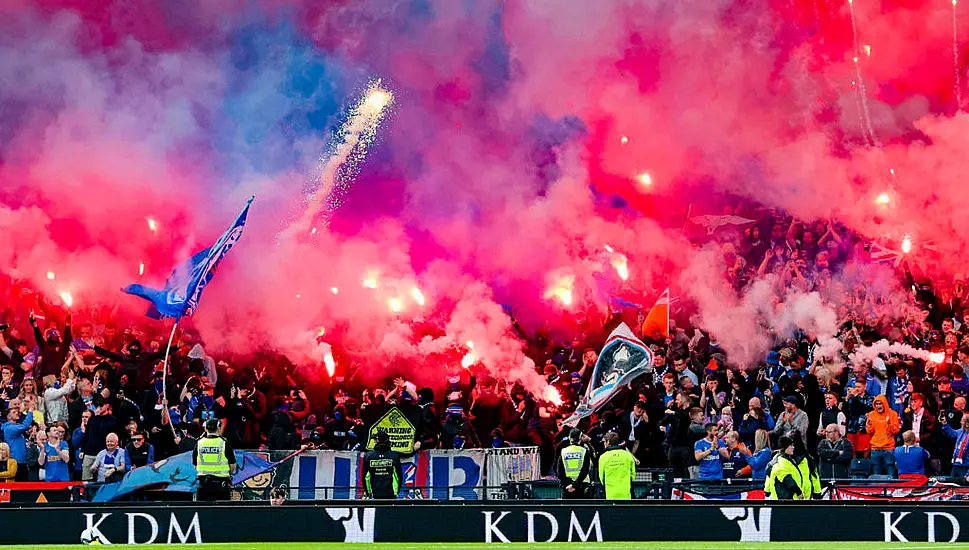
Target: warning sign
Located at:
point(401, 431)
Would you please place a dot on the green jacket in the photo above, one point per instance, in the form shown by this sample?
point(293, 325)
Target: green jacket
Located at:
point(617, 470)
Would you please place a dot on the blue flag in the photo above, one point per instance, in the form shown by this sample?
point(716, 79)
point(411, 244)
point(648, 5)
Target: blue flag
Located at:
point(184, 287)
point(177, 474)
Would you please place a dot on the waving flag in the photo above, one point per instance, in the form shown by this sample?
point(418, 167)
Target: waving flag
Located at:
point(623, 359)
point(657, 322)
point(184, 287)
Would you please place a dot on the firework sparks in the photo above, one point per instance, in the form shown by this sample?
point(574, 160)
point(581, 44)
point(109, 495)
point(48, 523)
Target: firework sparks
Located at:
point(339, 168)
point(334, 290)
point(883, 198)
point(141, 268)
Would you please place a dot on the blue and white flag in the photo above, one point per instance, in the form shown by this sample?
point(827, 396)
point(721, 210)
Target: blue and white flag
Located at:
point(184, 287)
point(623, 359)
point(177, 474)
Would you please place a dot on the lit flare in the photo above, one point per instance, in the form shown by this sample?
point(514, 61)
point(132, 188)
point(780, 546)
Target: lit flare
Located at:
point(67, 298)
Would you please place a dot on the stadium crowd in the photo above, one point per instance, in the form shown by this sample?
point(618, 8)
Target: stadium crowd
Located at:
point(86, 400)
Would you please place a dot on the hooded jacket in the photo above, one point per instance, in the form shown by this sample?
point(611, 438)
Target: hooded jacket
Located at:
point(883, 426)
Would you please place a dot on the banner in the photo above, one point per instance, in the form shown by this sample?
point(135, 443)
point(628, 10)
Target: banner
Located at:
point(398, 427)
point(436, 474)
point(623, 358)
point(177, 474)
point(460, 524)
point(510, 465)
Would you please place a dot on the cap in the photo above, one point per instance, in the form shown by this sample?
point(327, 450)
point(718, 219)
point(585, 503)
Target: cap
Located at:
point(791, 399)
point(454, 408)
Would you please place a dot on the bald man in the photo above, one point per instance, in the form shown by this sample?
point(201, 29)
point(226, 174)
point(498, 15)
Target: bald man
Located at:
point(110, 463)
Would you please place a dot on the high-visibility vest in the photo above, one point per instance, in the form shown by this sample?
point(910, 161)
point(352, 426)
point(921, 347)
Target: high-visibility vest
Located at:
point(782, 468)
point(573, 457)
point(210, 457)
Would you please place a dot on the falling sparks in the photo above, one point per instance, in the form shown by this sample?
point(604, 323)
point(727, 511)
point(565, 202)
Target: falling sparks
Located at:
point(610, 249)
point(329, 363)
point(152, 224)
point(622, 266)
point(51, 276)
point(67, 299)
point(868, 50)
point(552, 395)
point(395, 305)
point(417, 295)
point(338, 169)
point(937, 356)
point(370, 281)
point(141, 269)
point(907, 244)
point(883, 198)
point(334, 290)
point(645, 179)
point(624, 140)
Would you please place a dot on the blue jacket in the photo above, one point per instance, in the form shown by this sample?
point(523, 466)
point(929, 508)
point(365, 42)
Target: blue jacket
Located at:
point(13, 434)
point(960, 436)
point(76, 447)
point(758, 463)
point(897, 394)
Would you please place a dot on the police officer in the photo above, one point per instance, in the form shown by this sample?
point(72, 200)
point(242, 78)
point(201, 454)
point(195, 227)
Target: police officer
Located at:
point(215, 462)
point(573, 467)
point(382, 472)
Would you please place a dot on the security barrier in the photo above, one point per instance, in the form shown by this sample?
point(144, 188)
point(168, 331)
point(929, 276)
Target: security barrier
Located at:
point(536, 521)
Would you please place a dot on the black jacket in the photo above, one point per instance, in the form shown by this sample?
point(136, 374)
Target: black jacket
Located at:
point(382, 472)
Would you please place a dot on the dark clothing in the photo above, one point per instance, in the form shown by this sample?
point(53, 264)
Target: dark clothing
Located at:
point(139, 456)
point(749, 426)
point(53, 355)
point(33, 467)
point(132, 365)
point(382, 472)
point(336, 434)
point(835, 459)
point(98, 428)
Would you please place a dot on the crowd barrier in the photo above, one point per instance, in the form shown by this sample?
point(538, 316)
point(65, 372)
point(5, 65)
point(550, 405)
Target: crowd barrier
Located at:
point(487, 522)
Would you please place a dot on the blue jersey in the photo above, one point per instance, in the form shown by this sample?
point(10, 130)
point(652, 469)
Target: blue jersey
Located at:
point(710, 466)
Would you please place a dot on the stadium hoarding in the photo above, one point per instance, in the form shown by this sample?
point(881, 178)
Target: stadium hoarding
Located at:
point(519, 521)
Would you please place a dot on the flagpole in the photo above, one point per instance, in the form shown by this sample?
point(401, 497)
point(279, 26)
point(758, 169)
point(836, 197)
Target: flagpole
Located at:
point(168, 351)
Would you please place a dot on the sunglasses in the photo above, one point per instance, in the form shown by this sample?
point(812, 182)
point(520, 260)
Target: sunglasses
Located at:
point(138, 439)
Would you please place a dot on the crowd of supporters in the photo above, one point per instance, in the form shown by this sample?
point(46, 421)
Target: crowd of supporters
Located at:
point(88, 398)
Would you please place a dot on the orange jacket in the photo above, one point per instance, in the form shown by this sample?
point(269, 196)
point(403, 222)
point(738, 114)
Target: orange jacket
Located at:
point(883, 427)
